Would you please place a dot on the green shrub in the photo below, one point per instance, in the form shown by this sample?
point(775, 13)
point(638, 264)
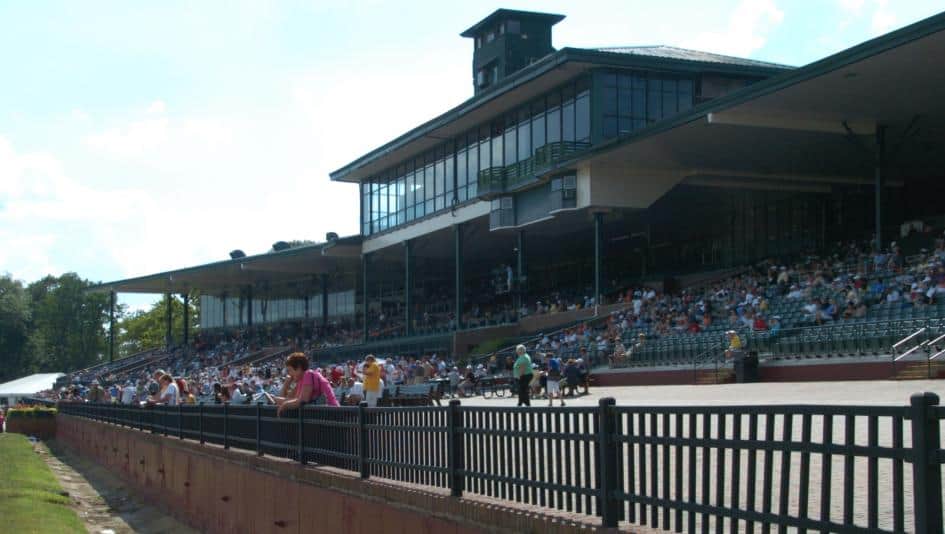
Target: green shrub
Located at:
point(32, 412)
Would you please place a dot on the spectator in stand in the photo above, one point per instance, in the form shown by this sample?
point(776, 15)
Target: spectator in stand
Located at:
point(355, 392)
point(734, 344)
point(96, 393)
point(522, 372)
point(128, 393)
point(372, 380)
point(312, 386)
point(759, 325)
point(169, 395)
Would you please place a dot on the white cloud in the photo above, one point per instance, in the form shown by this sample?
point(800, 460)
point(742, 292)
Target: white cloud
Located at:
point(158, 107)
point(43, 212)
point(852, 6)
point(883, 18)
point(746, 31)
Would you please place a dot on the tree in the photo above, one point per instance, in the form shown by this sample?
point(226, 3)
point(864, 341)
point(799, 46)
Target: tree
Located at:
point(52, 325)
point(68, 323)
point(14, 329)
point(146, 329)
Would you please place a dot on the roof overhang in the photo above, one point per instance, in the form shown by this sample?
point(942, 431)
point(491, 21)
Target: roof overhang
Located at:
point(814, 125)
point(550, 18)
point(516, 90)
point(271, 268)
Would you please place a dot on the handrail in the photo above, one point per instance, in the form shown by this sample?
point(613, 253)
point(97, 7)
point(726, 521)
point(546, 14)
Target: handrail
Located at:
point(907, 338)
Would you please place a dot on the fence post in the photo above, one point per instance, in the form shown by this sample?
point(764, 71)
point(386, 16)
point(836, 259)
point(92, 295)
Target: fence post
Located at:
point(302, 434)
point(926, 469)
point(180, 421)
point(259, 451)
point(226, 430)
point(200, 420)
point(363, 440)
point(454, 443)
point(607, 482)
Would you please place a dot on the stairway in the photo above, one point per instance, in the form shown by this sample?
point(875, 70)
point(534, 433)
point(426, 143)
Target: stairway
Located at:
point(725, 375)
point(914, 370)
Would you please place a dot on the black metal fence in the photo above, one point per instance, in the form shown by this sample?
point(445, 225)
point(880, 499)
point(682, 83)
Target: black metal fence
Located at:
point(687, 469)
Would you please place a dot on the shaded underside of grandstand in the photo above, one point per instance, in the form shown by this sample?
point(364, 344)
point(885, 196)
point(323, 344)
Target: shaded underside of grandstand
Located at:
point(849, 147)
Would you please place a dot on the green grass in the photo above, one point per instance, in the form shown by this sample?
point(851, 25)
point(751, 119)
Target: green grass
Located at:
point(30, 499)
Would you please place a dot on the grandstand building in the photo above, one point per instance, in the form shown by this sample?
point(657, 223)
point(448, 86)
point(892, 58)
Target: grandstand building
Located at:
point(575, 173)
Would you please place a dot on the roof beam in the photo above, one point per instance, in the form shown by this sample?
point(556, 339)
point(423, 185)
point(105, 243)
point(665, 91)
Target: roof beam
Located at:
point(788, 177)
point(736, 183)
point(794, 122)
point(288, 269)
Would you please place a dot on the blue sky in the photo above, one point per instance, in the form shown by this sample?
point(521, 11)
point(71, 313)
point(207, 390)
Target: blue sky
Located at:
point(137, 137)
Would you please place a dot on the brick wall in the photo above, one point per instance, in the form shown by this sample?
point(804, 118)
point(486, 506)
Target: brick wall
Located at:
point(217, 490)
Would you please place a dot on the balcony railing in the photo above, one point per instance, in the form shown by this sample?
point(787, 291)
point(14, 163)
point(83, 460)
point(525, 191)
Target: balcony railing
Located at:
point(498, 180)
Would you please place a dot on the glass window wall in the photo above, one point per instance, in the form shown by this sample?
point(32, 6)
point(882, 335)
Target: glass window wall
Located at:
point(429, 184)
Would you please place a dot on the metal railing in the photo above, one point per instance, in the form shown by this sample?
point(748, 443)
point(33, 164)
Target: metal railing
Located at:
point(685, 468)
point(930, 348)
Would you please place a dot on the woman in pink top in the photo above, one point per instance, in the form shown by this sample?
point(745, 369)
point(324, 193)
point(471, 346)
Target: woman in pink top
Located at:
point(311, 385)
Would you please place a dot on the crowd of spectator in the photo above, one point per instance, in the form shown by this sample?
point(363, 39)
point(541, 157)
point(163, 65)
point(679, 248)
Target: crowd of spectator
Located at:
point(827, 288)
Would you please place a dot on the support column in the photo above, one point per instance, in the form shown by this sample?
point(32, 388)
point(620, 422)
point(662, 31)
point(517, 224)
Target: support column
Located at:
point(324, 301)
point(880, 181)
point(458, 256)
point(186, 320)
point(598, 224)
point(249, 306)
point(223, 298)
point(519, 270)
point(408, 287)
point(365, 297)
point(168, 340)
point(111, 326)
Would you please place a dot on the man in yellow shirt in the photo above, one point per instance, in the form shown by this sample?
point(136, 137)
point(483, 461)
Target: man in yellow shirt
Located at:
point(372, 380)
point(734, 344)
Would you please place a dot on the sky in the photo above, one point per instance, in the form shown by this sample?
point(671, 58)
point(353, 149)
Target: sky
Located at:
point(138, 137)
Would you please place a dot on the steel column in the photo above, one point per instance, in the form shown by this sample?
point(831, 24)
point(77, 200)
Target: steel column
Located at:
point(880, 180)
point(111, 326)
point(598, 224)
point(519, 270)
point(364, 292)
point(458, 256)
point(185, 320)
point(249, 306)
point(408, 287)
point(324, 301)
point(168, 340)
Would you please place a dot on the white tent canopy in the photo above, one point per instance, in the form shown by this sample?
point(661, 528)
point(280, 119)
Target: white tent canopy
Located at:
point(27, 386)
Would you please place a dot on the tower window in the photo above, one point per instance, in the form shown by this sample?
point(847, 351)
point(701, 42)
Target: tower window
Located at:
point(513, 27)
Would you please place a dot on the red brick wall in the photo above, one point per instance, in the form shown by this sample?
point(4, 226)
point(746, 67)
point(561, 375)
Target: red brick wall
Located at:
point(216, 490)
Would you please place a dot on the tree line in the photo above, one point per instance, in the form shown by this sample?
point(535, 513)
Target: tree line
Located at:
point(56, 325)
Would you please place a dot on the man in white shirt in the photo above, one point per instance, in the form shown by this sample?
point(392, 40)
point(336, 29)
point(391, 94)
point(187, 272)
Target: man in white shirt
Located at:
point(128, 393)
point(236, 395)
point(355, 393)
